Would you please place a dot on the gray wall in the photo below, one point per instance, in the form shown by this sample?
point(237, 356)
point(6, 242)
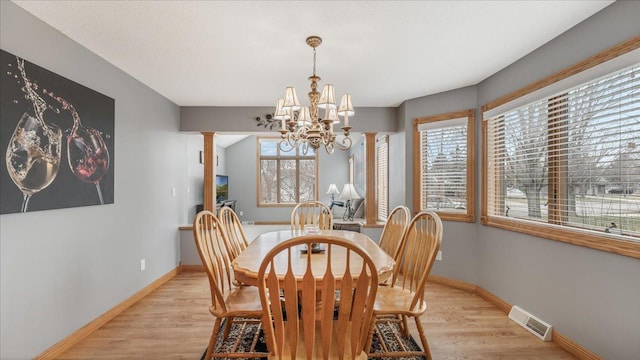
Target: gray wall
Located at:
point(591, 296)
point(242, 119)
point(459, 246)
point(221, 159)
point(241, 168)
point(398, 164)
point(194, 176)
point(60, 269)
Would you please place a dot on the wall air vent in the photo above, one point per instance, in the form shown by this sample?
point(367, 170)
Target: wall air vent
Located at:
point(535, 326)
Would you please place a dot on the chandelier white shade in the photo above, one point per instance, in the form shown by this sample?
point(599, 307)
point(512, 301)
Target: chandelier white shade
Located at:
point(302, 125)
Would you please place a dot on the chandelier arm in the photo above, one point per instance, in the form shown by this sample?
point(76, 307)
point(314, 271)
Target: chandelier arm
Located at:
point(330, 148)
point(305, 148)
point(301, 130)
point(282, 145)
point(290, 141)
point(346, 143)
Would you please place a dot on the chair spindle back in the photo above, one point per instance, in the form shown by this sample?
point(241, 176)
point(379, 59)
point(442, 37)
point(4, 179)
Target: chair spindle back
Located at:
point(237, 240)
point(394, 229)
point(312, 300)
point(210, 242)
point(311, 213)
point(417, 255)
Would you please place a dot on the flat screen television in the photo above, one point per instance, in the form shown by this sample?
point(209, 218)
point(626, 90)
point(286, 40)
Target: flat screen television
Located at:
point(222, 188)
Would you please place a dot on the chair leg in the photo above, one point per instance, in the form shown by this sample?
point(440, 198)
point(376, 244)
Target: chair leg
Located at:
point(212, 341)
point(423, 339)
point(227, 327)
point(372, 329)
point(268, 328)
point(405, 326)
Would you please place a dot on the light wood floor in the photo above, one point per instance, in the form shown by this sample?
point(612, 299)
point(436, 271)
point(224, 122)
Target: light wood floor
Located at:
point(173, 322)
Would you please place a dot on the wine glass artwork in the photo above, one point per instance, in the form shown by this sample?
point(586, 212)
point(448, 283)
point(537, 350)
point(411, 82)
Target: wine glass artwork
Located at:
point(88, 156)
point(33, 156)
point(87, 152)
point(42, 130)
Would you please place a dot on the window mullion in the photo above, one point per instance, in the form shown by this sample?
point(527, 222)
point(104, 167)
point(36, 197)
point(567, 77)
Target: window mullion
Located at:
point(278, 182)
point(297, 179)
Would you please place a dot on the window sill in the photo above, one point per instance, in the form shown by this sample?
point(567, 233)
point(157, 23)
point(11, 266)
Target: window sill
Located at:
point(586, 238)
point(277, 205)
point(449, 216)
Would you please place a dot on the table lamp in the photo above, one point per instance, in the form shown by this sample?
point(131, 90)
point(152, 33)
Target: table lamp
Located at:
point(333, 191)
point(349, 193)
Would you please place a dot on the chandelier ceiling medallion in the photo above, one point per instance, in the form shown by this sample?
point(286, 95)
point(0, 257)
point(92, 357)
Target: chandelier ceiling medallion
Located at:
point(301, 124)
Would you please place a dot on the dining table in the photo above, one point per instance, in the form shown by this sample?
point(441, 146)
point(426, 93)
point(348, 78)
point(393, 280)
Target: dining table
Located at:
point(247, 264)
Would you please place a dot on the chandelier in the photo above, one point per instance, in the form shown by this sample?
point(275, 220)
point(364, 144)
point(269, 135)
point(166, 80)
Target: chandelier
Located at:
point(301, 125)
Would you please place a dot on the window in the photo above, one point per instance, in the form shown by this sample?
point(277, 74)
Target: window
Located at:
point(567, 166)
point(444, 165)
point(285, 177)
point(382, 176)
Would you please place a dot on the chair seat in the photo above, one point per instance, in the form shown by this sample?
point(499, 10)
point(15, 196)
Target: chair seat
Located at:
point(241, 301)
point(395, 300)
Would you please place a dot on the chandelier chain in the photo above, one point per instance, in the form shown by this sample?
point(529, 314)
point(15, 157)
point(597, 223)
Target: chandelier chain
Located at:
point(314, 61)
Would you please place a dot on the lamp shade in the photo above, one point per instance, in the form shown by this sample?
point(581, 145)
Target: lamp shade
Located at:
point(349, 192)
point(333, 190)
point(280, 114)
point(346, 108)
point(331, 114)
point(304, 118)
point(328, 97)
point(291, 99)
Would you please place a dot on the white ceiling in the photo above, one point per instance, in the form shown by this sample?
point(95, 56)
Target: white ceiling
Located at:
point(244, 53)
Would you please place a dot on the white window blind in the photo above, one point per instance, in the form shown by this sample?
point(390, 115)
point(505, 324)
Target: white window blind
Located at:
point(443, 165)
point(572, 159)
point(382, 176)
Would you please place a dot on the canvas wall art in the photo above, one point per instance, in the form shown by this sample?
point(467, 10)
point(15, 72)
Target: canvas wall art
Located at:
point(56, 140)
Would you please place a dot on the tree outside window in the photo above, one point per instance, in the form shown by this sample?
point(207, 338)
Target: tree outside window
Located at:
point(444, 165)
point(572, 159)
point(285, 177)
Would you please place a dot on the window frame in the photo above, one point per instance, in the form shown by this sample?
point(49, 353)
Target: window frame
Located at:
point(470, 214)
point(297, 157)
point(563, 233)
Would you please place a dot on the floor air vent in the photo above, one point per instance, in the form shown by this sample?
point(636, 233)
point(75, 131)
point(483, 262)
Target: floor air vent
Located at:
point(536, 326)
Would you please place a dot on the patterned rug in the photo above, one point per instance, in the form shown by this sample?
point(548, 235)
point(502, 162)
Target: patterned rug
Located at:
point(252, 333)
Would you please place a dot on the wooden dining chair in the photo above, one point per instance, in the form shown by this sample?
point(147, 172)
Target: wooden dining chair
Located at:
point(237, 240)
point(405, 297)
point(311, 213)
point(394, 229)
point(301, 319)
point(228, 302)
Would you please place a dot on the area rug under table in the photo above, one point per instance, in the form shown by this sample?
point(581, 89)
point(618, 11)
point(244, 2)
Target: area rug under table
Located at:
point(391, 333)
